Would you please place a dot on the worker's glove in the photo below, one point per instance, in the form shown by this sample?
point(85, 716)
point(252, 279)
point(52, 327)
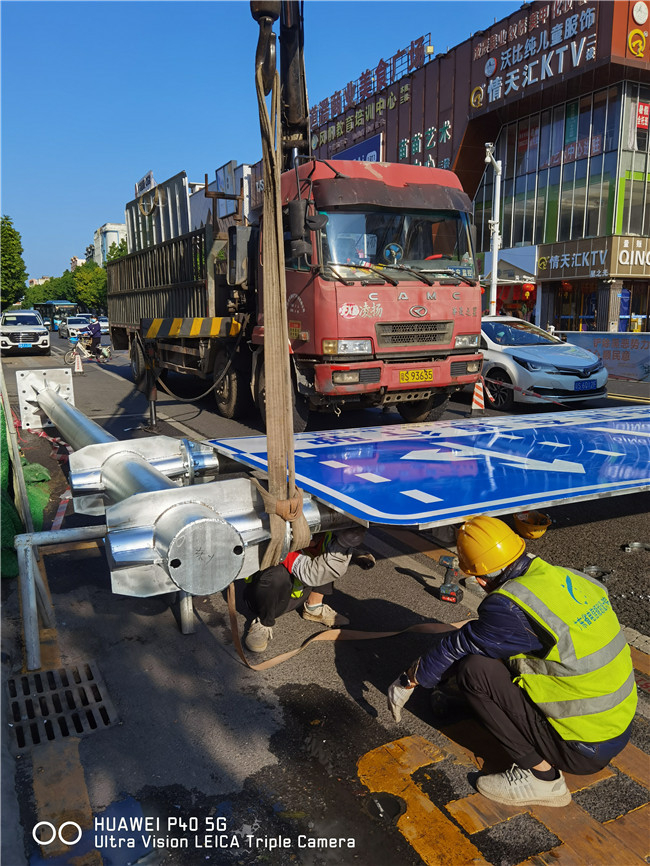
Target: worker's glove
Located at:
point(363, 559)
point(398, 695)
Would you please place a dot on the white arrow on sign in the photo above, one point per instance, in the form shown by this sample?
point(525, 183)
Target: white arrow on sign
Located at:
point(467, 452)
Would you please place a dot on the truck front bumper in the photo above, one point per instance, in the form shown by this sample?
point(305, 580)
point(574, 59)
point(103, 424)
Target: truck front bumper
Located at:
point(388, 382)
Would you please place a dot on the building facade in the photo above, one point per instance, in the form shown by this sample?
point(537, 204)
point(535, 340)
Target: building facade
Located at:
point(105, 236)
point(562, 89)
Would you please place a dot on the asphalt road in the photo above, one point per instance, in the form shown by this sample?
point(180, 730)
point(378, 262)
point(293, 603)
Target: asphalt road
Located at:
point(254, 767)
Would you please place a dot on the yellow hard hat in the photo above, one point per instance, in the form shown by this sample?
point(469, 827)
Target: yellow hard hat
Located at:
point(486, 544)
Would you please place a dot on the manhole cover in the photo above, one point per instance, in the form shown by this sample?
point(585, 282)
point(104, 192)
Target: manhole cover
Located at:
point(52, 705)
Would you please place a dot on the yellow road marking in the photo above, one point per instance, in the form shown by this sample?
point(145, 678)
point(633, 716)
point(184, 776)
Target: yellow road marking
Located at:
point(432, 835)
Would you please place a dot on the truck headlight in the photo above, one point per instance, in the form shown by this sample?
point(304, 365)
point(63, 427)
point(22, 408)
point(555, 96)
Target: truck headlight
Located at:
point(347, 347)
point(466, 341)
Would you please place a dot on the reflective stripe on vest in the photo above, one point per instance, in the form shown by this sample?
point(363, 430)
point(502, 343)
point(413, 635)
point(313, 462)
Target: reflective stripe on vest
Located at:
point(319, 545)
point(585, 683)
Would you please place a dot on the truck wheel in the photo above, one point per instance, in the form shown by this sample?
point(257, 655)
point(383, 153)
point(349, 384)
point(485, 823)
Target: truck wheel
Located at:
point(300, 405)
point(416, 411)
point(497, 382)
point(138, 368)
point(232, 394)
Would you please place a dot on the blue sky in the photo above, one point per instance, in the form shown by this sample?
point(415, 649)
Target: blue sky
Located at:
point(96, 94)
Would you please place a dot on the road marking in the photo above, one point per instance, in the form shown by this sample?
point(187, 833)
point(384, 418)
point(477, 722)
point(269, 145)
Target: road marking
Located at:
point(388, 769)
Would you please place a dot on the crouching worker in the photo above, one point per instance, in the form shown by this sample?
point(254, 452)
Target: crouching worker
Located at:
point(303, 579)
point(545, 667)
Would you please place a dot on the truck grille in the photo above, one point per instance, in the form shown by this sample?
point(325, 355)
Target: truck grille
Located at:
point(412, 333)
point(24, 337)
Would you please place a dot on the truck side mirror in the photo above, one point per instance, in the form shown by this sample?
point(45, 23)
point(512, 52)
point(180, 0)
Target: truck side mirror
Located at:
point(297, 213)
point(317, 221)
point(295, 249)
point(238, 246)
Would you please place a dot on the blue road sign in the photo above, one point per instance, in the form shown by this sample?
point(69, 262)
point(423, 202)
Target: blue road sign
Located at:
point(432, 474)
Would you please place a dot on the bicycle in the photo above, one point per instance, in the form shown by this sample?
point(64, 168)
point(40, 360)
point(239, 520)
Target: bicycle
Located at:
point(81, 348)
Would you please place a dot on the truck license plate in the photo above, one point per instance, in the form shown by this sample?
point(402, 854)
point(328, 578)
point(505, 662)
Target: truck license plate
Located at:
point(585, 385)
point(408, 377)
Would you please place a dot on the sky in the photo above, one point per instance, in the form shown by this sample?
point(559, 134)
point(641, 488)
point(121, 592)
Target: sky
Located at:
point(97, 94)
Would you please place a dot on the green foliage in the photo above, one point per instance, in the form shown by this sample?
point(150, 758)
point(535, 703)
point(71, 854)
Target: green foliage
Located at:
point(90, 286)
point(117, 251)
point(13, 273)
point(58, 288)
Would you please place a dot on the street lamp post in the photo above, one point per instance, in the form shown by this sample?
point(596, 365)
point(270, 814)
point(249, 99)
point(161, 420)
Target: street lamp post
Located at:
point(495, 237)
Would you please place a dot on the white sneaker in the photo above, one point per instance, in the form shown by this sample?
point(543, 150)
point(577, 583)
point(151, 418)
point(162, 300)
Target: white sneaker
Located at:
point(258, 636)
point(325, 615)
point(517, 787)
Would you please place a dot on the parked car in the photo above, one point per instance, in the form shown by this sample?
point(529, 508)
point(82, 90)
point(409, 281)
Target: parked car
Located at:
point(70, 326)
point(24, 331)
point(103, 321)
point(518, 353)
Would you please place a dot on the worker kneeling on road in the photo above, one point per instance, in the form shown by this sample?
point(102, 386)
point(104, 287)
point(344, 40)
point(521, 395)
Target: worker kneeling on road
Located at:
point(281, 588)
point(565, 697)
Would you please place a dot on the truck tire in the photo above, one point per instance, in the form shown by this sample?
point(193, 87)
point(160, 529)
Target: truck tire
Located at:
point(300, 404)
point(232, 394)
point(138, 368)
point(417, 411)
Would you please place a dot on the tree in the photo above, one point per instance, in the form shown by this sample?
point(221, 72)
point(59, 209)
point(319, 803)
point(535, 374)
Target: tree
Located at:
point(13, 273)
point(90, 285)
point(117, 251)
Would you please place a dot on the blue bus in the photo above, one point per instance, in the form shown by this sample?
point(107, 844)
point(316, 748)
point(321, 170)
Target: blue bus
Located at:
point(55, 311)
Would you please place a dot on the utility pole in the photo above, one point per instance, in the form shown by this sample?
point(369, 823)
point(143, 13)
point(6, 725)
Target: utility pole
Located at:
point(495, 237)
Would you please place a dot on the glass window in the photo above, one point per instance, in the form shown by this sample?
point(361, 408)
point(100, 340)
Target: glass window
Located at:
point(593, 196)
point(557, 136)
point(579, 199)
point(509, 167)
point(598, 123)
point(608, 195)
point(566, 202)
point(639, 307)
point(545, 139)
point(571, 131)
point(507, 188)
point(529, 214)
point(533, 144)
point(613, 121)
point(638, 194)
point(522, 147)
point(518, 212)
point(584, 128)
point(552, 206)
point(540, 207)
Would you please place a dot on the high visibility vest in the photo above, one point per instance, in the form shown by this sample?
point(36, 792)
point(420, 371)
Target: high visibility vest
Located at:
point(585, 683)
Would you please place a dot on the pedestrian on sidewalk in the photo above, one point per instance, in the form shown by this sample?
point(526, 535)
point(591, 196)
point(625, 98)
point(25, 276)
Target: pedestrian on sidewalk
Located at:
point(302, 579)
point(545, 667)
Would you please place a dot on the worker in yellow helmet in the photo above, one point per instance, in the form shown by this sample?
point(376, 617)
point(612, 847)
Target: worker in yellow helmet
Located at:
point(565, 698)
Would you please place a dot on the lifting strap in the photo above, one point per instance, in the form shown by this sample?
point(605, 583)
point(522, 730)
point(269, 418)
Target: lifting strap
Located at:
point(285, 498)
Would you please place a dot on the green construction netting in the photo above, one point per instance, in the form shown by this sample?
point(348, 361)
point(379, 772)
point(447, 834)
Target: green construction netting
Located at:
point(38, 494)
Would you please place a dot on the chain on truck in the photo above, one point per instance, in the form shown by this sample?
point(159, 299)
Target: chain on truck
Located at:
point(383, 299)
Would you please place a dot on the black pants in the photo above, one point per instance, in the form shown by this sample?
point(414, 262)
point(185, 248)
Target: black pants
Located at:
point(268, 594)
point(521, 728)
point(95, 345)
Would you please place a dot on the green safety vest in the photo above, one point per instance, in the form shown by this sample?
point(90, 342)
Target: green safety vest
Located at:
point(585, 683)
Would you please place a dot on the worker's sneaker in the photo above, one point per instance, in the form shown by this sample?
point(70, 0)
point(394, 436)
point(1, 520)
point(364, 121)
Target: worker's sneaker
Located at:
point(517, 787)
point(325, 615)
point(258, 636)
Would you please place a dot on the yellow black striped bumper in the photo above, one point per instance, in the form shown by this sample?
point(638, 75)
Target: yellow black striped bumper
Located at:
point(219, 326)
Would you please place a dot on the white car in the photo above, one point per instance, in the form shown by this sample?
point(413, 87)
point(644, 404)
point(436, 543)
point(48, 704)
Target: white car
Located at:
point(70, 326)
point(24, 331)
point(103, 321)
point(517, 353)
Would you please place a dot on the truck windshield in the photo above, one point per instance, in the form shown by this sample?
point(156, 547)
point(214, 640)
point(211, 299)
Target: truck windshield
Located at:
point(400, 242)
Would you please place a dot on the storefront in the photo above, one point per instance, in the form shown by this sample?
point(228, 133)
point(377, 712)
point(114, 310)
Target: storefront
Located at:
point(563, 90)
point(602, 284)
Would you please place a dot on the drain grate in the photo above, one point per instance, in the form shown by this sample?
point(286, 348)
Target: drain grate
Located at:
point(52, 705)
